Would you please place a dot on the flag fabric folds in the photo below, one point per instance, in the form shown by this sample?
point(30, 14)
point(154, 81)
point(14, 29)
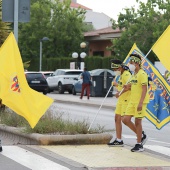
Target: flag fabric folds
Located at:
point(14, 90)
point(158, 109)
point(161, 48)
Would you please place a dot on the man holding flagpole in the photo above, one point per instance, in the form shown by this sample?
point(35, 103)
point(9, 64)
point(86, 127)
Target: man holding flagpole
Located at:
point(138, 100)
point(123, 98)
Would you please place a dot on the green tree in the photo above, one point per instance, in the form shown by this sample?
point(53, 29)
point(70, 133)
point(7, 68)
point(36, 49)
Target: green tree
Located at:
point(55, 20)
point(142, 26)
point(67, 25)
point(88, 27)
point(5, 28)
point(30, 33)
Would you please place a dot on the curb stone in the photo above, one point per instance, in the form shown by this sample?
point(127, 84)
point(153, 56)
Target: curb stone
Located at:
point(84, 103)
point(39, 139)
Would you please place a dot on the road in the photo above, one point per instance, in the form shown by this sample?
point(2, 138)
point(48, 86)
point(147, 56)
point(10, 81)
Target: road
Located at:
point(105, 118)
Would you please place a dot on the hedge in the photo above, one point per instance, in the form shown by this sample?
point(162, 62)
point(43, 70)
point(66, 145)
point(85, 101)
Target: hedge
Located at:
point(51, 64)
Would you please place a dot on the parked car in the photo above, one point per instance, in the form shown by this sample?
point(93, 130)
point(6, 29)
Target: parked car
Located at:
point(77, 85)
point(62, 80)
point(37, 81)
point(47, 73)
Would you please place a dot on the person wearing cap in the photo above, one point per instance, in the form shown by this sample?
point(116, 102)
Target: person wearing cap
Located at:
point(139, 99)
point(123, 98)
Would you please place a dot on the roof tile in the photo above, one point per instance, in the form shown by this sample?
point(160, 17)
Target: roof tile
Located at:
point(76, 5)
point(102, 31)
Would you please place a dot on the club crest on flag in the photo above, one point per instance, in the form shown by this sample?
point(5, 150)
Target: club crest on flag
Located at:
point(15, 84)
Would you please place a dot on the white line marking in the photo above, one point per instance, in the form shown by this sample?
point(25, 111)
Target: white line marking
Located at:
point(129, 136)
point(29, 159)
point(158, 141)
point(159, 149)
point(149, 139)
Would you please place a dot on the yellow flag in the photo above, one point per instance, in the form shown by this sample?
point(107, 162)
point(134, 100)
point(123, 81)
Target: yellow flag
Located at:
point(134, 47)
point(14, 90)
point(162, 48)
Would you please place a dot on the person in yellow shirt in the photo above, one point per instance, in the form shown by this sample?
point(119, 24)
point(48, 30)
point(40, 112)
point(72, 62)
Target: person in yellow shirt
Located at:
point(139, 99)
point(123, 98)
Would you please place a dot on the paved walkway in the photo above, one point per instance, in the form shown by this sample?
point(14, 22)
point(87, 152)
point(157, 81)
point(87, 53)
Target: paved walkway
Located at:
point(100, 156)
point(95, 156)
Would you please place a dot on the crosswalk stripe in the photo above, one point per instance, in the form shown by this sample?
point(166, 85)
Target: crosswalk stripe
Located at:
point(129, 136)
point(167, 143)
point(159, 149)
point(30, 159)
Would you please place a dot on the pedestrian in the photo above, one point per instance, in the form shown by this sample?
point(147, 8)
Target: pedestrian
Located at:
point(139, 99)
point(86, 83)
point(123, 98)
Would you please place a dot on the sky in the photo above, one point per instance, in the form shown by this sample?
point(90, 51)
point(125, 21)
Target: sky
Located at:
point(112, 8)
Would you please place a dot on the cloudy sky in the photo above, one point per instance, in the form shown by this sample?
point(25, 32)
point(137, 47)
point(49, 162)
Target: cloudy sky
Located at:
point(110, 7)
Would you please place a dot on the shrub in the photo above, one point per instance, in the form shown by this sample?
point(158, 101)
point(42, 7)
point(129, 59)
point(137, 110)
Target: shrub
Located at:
point(52, 122)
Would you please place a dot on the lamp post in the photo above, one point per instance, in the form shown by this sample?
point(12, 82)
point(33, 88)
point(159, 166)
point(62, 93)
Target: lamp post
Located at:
point(81, 56)
point(41, 40)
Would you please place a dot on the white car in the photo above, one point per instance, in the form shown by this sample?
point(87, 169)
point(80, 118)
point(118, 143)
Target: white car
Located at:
point(62, 80)
point(47, 73)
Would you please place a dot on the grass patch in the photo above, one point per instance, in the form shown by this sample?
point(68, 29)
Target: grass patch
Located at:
point(52, 122)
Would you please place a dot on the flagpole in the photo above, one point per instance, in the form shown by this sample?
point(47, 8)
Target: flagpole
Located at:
point(16, 19)
point(147, 54)
point(99, 109)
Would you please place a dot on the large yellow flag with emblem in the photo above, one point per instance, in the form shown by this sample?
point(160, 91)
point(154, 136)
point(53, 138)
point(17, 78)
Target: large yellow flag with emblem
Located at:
point(14, 90)
point(162, 48)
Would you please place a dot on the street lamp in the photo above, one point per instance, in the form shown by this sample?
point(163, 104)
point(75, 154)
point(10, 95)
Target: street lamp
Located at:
point(82, 55)
point(41, 40)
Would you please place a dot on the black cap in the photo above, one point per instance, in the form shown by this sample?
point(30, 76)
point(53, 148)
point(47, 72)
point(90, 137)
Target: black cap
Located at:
point(115, 63)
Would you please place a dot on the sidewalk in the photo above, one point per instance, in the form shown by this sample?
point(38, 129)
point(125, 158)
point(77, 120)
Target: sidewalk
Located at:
point(103, 157)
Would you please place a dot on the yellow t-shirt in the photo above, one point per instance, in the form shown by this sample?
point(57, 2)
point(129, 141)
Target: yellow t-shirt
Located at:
point(124, 78)
point(137, 81)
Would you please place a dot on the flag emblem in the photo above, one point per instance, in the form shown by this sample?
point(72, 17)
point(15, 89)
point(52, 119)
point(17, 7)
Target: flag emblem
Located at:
point(15, 84)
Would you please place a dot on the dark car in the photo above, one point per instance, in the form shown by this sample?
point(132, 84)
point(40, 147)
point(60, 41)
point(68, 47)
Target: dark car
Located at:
point(37, 81)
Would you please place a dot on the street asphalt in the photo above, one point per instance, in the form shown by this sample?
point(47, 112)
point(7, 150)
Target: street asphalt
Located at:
point(90, 150)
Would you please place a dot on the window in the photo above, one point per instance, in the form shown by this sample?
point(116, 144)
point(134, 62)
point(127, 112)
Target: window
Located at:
point(73, 73)
point(98, 53)
point(33, 76)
